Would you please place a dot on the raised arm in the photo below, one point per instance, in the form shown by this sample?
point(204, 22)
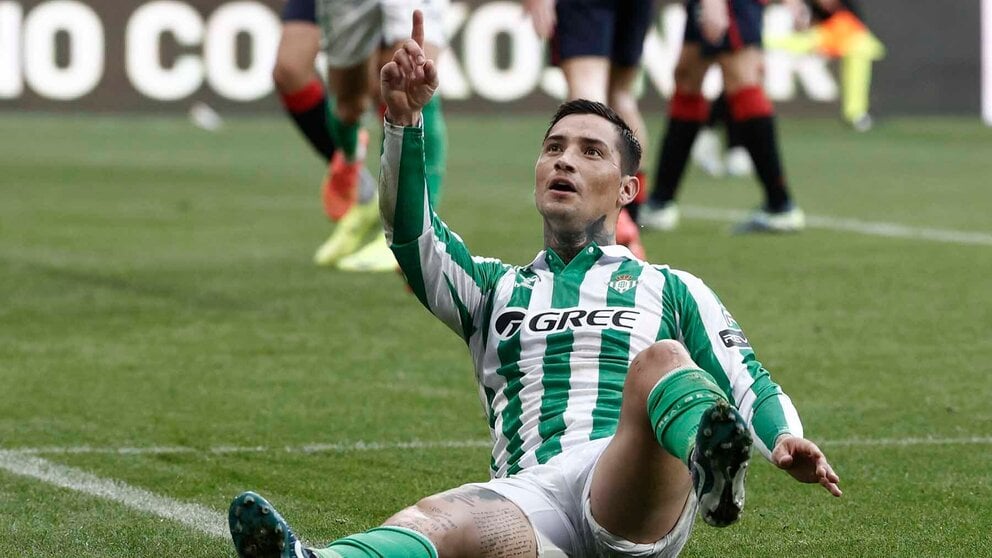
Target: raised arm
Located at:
point(442, 273)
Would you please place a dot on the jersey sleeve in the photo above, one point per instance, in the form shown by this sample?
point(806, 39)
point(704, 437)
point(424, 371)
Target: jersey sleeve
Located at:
point(718, 345)
point(439, 268)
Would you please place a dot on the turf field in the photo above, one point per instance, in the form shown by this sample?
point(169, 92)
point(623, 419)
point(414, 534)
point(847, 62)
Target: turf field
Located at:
point(165, 342)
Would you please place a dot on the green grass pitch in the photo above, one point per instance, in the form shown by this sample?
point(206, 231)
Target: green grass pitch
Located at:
point(156, 291)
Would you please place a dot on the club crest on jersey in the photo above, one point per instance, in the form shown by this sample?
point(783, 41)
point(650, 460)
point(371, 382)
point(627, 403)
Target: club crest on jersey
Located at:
point(623, 283)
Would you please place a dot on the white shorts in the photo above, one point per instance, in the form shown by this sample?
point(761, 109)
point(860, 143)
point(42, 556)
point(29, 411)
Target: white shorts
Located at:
point(354, 29)
point(555, 498)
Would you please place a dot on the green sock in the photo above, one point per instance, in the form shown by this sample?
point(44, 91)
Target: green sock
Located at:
point(381, 542)
point(675, 405)
point(345, 135)
point(435, 148)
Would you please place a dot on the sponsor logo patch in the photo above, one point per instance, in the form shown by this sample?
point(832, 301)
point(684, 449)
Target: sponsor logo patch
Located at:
point(734, 338)
point(511, 320)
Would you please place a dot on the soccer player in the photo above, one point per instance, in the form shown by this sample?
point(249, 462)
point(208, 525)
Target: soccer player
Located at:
point(839, 32)
point(728, 33)
point(598, 46)
point(360, 36)
point(622, 396)
point(305, 99)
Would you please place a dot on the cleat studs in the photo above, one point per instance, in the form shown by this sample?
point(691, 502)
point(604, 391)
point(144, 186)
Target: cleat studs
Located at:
point(238, 527)
point(265, 510)
point(282, 544)
point(249, 501)
point(707, 432)
point(279, 530)
point(726, 445)
point(237, 511)
point(708, 453)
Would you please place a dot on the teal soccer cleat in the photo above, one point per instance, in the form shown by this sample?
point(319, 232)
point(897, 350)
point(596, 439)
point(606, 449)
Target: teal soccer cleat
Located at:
point(719, 464)
point(258, 531)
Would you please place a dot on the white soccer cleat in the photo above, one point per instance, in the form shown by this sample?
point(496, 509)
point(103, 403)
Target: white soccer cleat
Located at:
point(664, 218)
point(790, 220)
point(739, 162)
point(707, 153)
point(863, 123)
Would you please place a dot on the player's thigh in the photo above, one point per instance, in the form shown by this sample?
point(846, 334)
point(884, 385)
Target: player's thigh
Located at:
point(587, 77)
point(471, 522)
point(691, 68)
point(742, 68)
point(298, 48)
point(638, 489)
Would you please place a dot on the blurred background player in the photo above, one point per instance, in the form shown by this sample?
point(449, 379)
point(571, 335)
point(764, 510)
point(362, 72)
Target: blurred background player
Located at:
point(729, 33)
point(360, 36)
point(839, 31)
point(305, 99)
point(598, 46)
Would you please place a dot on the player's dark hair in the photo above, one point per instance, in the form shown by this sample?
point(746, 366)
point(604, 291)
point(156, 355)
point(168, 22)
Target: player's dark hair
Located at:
point(630, 148)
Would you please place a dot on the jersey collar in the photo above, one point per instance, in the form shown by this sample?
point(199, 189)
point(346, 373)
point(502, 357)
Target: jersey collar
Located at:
point(584, 260)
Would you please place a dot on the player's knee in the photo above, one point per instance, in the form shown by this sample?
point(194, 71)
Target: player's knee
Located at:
point(289, 77)
point(424, 517)
point(351, 108)
point(621, 100)
point(654, 362)
point(688, 78)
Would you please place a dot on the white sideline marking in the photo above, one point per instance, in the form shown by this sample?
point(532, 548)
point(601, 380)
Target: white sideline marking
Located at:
point(902, 442)
point(870, 228)
point(192, 515)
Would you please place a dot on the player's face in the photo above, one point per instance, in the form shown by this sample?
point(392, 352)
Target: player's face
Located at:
point(578, 177)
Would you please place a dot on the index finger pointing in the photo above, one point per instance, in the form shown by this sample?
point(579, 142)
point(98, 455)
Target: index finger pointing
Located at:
point(418, 28)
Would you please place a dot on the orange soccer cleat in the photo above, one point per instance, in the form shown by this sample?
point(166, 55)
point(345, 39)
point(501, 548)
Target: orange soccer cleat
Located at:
point(340, 188)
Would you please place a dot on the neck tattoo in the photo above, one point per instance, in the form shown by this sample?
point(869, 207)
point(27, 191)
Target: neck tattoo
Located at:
point(568, 244)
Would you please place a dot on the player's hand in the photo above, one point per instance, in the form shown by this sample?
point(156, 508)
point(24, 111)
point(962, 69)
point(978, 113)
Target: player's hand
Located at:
point(409, 80)
point(714, 20)
point(542, 15)
point(805, 462)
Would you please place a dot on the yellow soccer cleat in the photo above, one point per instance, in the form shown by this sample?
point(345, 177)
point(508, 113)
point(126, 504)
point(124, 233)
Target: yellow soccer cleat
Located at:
point(349, 234)
point(374, 257)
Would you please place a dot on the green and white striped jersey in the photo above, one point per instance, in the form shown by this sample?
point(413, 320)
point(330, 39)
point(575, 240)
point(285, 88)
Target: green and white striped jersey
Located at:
point(551, 342)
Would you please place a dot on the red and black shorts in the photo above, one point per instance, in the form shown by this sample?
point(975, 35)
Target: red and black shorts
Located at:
point(300, 10)
point(745, 26)
point(613, 29)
